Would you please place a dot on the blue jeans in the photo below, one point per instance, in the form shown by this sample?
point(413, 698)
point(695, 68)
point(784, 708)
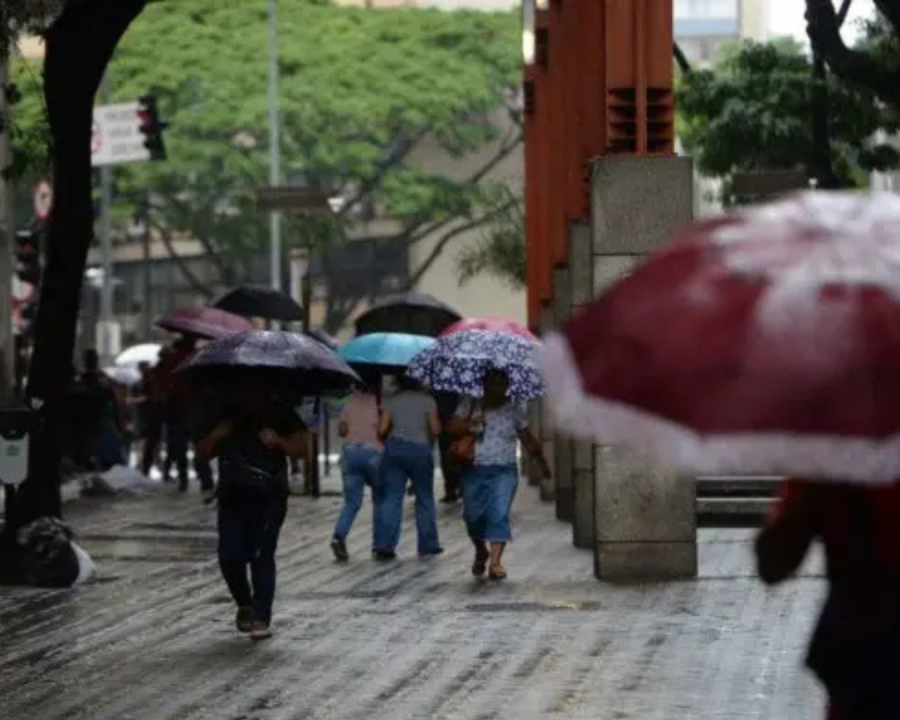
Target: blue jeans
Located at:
point(249, 525)
point(402, 461)
point(488, 494)
point(360, 465)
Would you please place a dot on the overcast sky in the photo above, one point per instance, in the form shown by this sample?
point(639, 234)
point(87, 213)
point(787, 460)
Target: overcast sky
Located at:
point(786, 17)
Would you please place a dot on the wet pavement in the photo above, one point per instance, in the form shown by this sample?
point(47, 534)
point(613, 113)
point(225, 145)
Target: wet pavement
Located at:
point(153, 638)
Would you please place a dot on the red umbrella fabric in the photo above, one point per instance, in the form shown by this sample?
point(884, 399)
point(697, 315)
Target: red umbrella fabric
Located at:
point(766, 342)
point(491, 325)
point(204, 322)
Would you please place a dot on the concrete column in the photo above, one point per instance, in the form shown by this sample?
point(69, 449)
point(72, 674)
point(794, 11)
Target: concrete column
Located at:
point(644, 515)
point(548, 487)
point(562, 462)
point(581, 276)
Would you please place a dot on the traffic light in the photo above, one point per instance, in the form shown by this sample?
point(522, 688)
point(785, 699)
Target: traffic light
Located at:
point(152, 127)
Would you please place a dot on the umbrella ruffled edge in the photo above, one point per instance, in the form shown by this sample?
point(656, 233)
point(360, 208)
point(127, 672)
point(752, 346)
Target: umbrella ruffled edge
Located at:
point(574, 412)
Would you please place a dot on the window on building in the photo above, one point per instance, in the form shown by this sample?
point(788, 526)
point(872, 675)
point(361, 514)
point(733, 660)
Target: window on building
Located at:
point(703, 9)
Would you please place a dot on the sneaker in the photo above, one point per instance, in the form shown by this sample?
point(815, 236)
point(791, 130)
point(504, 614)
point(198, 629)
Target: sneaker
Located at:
point(260, 631)
point(339, 548)
point(244, 619)
point(384, 555)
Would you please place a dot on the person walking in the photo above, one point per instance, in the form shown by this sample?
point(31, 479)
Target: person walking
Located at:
point(493, 427)
point(253, 441)
point(409, 425)
point(855, 648)
point(447, 404)
point(358, 427)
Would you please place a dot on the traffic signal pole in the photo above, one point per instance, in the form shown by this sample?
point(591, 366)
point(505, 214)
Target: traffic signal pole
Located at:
point(106, 348)
point(274, 147)
point(7, 242)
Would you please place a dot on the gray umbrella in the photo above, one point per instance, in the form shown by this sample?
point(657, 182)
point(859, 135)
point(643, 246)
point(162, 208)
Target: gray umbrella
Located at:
point(296, 364)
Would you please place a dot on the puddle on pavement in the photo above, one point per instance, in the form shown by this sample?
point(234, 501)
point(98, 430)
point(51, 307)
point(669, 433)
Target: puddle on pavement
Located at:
point(160, 549)
point(530, 607)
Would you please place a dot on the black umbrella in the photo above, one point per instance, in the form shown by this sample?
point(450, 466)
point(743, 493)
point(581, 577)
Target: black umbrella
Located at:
point(295, 364)
point(413, 313)
point(261, 302)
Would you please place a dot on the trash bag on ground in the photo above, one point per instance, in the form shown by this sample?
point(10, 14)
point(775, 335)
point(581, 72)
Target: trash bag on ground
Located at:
point(48, 558)
point(119, 480)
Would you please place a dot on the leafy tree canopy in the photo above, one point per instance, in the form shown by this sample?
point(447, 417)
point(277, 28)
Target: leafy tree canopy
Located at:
point(752, 111)
point(501, 249)
point(358, 90)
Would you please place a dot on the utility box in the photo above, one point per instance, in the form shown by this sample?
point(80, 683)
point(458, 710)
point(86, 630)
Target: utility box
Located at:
point(16, 427)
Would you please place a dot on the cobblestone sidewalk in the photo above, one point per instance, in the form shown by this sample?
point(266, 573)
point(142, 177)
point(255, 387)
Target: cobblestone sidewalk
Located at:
point(153, 638)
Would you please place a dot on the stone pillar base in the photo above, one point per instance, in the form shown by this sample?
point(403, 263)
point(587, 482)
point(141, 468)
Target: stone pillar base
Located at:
point(565, 504)
point(583, 536)
point(641, 561)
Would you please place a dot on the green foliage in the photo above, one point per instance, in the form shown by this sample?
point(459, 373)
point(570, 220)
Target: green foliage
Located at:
point(358, 89)
point(753, 111)
point(501, 249)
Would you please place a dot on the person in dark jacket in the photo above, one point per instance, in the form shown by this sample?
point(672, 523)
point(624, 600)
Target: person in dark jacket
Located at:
point(855, 649)
point(253, 441)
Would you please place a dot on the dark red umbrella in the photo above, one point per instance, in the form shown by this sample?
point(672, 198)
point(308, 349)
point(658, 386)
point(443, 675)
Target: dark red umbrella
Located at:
point(491, 325)
point(204, 322)
point(767, 341)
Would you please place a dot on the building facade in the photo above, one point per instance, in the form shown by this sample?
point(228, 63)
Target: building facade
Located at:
point(703, 26)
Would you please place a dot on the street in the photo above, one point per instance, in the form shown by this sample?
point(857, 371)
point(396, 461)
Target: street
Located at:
point(153, 637)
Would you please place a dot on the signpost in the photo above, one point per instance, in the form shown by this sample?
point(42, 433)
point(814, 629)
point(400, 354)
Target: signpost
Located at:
point(291, 198)
point(117, 138)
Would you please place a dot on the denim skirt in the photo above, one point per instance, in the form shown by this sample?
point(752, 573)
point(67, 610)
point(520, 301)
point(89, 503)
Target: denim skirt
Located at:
point(488, 494)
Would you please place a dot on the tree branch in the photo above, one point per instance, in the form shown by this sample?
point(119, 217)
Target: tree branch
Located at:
point(211, 250)
point(853, 66)
point(441, 244)
point(180, 263)
point(683, 63)
point(890, 9)
point(388, 164)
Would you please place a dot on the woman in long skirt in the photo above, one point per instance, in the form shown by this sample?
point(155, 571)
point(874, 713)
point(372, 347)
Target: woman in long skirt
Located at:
point(489, 484)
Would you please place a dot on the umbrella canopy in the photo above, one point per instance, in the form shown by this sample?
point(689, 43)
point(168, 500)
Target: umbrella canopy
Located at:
point(457, 364)
point(491, 324)
point(204, 322)
point(251, 301)
point(386, 351)
point(323, 337)
point(137, 354)
point(297, 365)
point(766, 342)
point(413, 313)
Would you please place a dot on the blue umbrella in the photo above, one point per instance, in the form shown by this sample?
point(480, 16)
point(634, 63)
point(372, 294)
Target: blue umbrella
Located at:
point(386, 351)
point(457, 363)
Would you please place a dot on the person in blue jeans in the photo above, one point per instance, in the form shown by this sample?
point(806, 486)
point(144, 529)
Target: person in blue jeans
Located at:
point(409, 424)
point(360, 459)
point(489, 484)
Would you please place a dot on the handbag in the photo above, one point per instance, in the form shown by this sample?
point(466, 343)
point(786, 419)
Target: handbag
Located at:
point(462, 450)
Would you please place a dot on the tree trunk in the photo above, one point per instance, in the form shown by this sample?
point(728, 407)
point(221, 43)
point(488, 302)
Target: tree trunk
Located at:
point(821, 165)
point(80, 44)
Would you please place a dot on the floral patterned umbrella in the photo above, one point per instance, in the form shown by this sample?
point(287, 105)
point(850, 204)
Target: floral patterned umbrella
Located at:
point(456, 363)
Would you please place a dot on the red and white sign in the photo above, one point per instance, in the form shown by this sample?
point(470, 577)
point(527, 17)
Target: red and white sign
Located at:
point(116, 137)
point(43, 199)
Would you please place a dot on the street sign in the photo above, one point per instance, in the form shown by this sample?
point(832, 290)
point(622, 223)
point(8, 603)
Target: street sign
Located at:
point(768, 183)
point(291, 198)
point(16, 426)
point(43, 199)
point(116, 137)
